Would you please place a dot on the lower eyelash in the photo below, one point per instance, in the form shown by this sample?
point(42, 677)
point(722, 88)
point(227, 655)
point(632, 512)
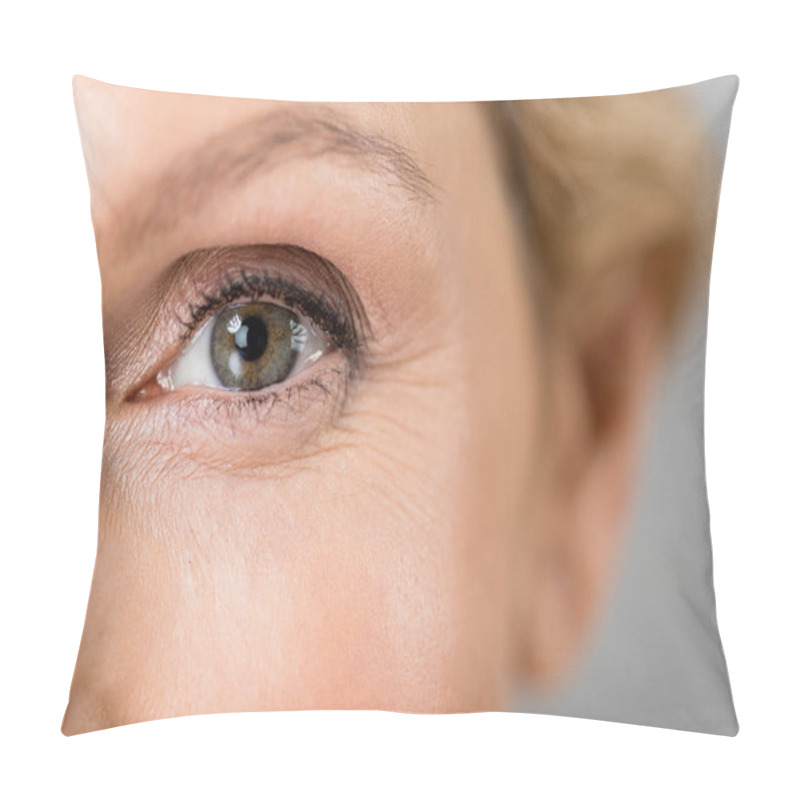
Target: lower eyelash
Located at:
point(265, 404)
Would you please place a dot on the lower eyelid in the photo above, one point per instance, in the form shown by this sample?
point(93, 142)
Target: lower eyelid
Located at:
point(190, 430)
point(322, 380)
point(293, 397)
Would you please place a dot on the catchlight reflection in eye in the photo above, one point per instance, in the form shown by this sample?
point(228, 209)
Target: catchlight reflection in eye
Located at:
point(246, 347)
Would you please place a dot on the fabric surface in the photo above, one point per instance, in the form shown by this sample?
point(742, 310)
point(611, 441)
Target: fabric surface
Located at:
point(376, 546)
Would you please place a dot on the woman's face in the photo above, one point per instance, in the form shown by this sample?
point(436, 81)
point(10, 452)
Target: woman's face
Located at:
point(349, 536)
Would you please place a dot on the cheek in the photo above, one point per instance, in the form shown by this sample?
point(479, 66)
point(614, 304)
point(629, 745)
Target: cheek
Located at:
point(371, 576)
point(374, 574)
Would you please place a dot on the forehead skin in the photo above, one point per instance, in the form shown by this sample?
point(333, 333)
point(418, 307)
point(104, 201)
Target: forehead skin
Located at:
point(379, 574)
point(131, 138)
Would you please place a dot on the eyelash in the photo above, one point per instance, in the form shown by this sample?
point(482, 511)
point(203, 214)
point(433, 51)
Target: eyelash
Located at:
point(245, 285)
point(261, 403)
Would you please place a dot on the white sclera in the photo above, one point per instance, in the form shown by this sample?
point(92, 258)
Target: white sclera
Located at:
point(193, 367)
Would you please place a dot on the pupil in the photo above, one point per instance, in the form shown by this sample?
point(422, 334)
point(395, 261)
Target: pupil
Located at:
point(251, 338)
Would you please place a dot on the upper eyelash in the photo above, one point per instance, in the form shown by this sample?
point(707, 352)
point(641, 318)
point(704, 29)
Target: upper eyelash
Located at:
point(260, 285)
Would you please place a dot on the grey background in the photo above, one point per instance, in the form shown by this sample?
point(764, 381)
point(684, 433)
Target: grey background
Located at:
point(656, 657)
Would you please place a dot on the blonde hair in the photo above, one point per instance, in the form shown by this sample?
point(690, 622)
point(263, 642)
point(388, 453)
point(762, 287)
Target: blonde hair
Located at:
point(606, 186)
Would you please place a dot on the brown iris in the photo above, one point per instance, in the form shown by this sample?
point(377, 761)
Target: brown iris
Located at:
point(254, 345)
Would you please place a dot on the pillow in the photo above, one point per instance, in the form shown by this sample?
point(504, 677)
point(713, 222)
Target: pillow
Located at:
point(404, 407)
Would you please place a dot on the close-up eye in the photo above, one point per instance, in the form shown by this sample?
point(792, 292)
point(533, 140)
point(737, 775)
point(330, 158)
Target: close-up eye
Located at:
point(247, 347)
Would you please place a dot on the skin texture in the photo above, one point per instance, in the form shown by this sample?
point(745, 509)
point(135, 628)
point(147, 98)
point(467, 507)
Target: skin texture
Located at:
point(418, 535)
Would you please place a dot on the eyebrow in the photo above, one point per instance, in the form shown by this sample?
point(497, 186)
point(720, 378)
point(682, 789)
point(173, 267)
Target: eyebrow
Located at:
point(262, 144)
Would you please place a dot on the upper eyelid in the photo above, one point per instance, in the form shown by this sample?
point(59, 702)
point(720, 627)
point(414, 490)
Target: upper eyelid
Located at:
point(264, 286)
point(302, 279)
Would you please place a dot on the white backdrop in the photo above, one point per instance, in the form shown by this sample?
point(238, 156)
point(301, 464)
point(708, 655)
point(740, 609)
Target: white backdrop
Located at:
point(52, 387)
